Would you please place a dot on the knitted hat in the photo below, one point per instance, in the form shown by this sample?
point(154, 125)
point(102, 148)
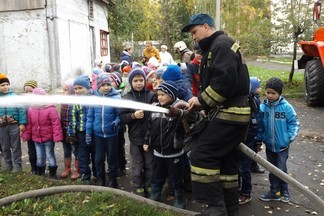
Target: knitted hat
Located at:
point(160, 71)
point(39, 91)
point(151, 73)
point(4, 78)
point(254, 84)
point(103, 78)
point(96, 71)
point(108, 67)
point(276, 84)
point(173, 73)
point(116, 67)
point(31, 83)
point(82, 80)
point(97, 62)
point(153, 62)
point(126, 69)
point(69, 84)
point(136, 71)
point(115, 78)
point(170, 88)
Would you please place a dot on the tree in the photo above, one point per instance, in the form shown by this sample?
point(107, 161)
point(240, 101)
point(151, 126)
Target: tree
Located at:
point(248, 22)
point(292, 20)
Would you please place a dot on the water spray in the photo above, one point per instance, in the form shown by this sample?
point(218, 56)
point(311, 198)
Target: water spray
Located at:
point(37, 100)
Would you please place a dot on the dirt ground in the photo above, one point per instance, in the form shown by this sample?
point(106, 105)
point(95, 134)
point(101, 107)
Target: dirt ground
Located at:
point(305, 164)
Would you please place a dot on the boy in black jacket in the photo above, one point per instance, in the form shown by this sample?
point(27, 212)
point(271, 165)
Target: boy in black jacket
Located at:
point(165, 135)
point(137, 127)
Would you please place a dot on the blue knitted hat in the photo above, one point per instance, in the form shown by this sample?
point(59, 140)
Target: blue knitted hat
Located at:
point(173, 73)
point(82, 80)
point(136, 71)
point(170, 88)
point(254, 84)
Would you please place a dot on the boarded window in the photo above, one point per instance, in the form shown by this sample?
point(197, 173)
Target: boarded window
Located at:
point(103, 43)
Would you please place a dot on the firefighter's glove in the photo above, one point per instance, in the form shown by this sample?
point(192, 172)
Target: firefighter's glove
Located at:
point(174, 112)
point(88, 139)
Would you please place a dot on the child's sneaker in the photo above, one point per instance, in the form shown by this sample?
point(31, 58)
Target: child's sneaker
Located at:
point(140, 192)
point(270, 197)
point(285, 197)
point(244, 199)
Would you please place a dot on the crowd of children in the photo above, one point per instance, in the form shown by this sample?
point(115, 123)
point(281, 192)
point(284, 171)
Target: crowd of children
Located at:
point(94, 135)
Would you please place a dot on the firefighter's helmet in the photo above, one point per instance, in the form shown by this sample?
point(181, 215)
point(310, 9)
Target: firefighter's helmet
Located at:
point(180, 45)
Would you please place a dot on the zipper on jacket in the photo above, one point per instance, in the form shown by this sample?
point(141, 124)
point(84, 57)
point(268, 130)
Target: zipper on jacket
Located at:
point(272, 128)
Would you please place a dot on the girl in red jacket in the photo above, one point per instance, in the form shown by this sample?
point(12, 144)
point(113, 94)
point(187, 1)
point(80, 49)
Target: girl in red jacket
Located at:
point(44, 128)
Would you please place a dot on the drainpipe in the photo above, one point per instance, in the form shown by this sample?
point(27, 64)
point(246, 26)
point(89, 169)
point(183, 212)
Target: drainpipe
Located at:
point(53, 44)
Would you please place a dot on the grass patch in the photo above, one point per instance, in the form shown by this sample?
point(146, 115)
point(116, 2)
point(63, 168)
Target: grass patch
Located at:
point(73, 203)
point(293, 89)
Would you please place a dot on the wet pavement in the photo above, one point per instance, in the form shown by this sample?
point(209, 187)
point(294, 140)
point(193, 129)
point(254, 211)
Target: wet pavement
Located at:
point(305, 164)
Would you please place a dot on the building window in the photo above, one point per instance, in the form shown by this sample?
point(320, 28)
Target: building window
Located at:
point(91, 9)
point(103, 43)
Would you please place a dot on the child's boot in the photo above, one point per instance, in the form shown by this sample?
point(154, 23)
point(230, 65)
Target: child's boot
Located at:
point(67, 168)
point(156, 193)
point(113, 183)
point(40, 170)
point(52, 172)
point(179, 199)
point(76, 174)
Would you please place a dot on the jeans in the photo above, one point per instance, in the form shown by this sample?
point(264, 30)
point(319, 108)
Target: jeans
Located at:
point(86, 155)
point(106, 146)
point(245, 170)
point(45, 151)
point(279, 160)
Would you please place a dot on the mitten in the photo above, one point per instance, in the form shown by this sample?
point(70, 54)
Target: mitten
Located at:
point(88, 139)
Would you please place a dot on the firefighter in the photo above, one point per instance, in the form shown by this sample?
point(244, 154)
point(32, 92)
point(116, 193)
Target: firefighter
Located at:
point(223, 97)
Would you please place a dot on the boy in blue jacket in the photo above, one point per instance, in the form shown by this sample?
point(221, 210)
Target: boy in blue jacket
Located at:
point(103, 123)
point(12, 122)
point(279, 127)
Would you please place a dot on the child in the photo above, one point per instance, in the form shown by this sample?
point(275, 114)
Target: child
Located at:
point(29, 86)
point(95, 71)
point(77, 132)
point(279, 126)
point(12, 122)
point(137, 128)
point(103, 123)
point(67, 89)
point(173, 73)
point(44, 128)
point(164, 134)
point(244, 161)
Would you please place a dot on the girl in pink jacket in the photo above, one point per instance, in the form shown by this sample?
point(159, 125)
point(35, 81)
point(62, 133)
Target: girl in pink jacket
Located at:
point(44, 128)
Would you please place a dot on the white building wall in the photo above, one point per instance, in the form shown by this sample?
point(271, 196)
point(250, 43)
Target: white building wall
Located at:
point(24, 46)
point(51, 44)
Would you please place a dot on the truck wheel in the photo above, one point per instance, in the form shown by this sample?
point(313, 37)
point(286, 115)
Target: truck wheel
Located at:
point(314, 83)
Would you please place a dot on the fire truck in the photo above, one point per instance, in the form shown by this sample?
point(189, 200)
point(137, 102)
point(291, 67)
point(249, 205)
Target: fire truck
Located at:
point(313, 63)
